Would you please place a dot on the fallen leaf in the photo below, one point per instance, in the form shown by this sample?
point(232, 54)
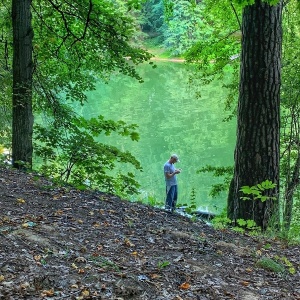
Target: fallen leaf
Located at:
point(47, 293)
point(85, 293)
point(74, 286)
point(80, 259)
point(154, 276)
point(24, 285)
point(128, 243)
point(20, 200)
point(2, 278)
point(74, 266)
point(37, 257)
point(185, 286)
point(245, 283)
point(6, 219)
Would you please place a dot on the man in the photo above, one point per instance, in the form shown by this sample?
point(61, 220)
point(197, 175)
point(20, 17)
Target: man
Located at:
point(171, 182)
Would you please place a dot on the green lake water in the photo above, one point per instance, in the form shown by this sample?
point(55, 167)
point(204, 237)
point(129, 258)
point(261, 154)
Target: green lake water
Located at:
point(171, 119)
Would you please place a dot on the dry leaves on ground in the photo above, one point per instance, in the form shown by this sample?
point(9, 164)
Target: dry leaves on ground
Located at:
point(60, 243)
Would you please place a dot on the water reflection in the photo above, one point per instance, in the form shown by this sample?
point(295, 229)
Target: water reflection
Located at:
point(171, 119)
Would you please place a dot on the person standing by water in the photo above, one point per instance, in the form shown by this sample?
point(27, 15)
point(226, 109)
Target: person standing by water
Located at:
point(171, 182)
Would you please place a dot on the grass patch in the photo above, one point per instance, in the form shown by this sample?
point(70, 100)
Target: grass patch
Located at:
point(270, 265)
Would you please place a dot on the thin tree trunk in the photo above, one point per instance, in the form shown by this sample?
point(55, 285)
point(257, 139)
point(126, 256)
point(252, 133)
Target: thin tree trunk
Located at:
point(22, 123)
point(289, 193)
point(258, 128)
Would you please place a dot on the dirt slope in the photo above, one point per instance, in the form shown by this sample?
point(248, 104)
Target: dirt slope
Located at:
point(60, 243)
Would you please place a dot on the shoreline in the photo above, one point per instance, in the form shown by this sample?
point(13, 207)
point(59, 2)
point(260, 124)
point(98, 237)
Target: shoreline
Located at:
point(179, 60)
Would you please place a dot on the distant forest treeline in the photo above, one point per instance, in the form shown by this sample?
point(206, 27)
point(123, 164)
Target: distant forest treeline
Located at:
point(172, 25)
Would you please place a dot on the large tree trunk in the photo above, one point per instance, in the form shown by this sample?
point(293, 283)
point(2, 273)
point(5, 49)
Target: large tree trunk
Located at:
point(258, 128)
point(22, 123)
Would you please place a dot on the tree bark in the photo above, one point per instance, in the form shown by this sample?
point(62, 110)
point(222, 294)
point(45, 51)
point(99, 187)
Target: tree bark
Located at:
point(258, 126)
point(22, 122)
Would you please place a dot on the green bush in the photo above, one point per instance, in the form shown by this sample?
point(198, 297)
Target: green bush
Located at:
point(72, 154)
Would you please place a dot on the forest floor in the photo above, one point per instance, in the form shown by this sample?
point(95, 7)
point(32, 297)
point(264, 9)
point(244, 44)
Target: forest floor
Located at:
point(61, 243)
